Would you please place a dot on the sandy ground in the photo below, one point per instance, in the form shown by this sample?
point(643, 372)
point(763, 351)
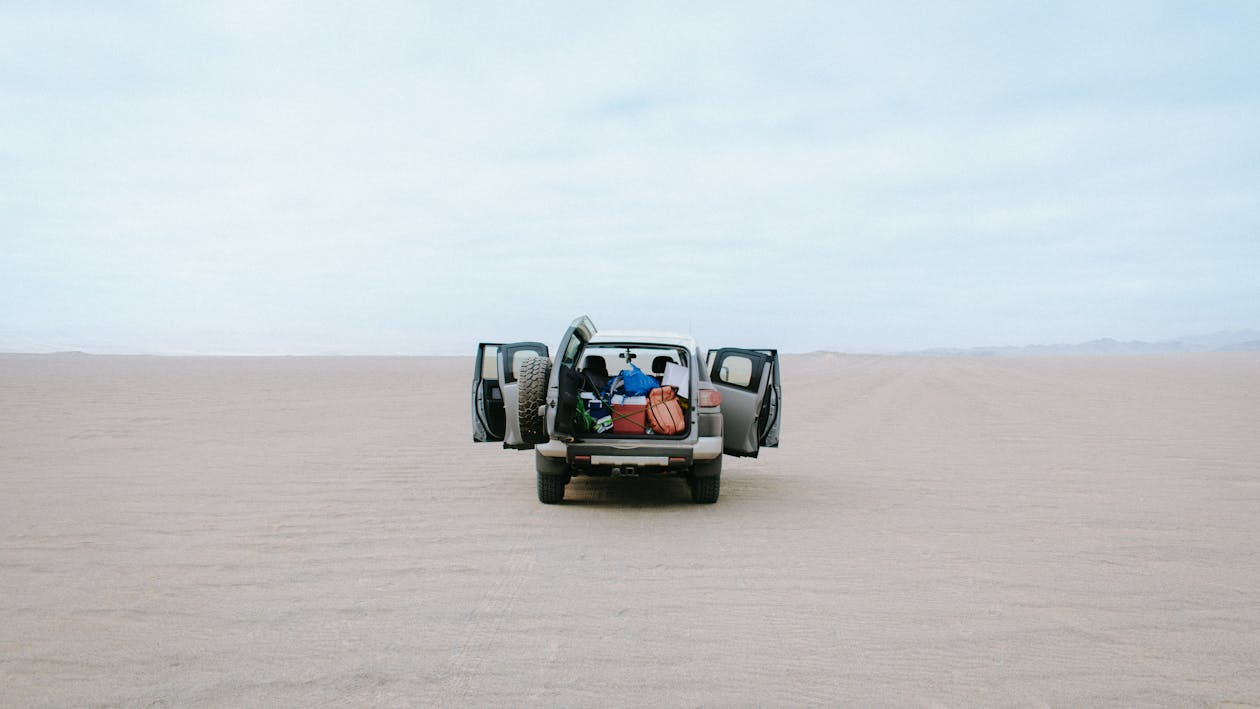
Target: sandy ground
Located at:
point(309, 531)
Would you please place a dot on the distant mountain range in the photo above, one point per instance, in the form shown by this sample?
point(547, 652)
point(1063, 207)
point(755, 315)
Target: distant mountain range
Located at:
point(1226, 341)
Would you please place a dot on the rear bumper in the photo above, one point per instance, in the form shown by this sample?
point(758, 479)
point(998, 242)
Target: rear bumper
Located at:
point(665, 454)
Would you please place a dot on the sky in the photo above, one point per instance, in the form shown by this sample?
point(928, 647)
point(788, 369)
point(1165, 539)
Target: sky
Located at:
point(411, 178)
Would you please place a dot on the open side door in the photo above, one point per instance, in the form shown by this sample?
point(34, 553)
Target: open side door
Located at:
point(567, 382)
point(508, 367)
point(488, 422)
point(751, 398)
point(771, 415)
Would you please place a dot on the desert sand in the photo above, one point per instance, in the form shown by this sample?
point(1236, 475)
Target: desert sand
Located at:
point(323, 531)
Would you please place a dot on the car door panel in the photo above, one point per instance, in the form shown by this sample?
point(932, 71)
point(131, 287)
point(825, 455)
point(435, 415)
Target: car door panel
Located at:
point(563, 407)
point(508, 361)
point(751, 398)
point(772, 407)
point(488, 422)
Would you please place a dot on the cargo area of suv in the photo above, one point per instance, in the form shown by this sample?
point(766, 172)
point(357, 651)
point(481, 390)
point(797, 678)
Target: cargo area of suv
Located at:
point(626, 403)
point(628, 414)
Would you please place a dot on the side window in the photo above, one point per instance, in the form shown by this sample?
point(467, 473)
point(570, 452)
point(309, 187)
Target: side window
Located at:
point(736, 370)
point(490, 363)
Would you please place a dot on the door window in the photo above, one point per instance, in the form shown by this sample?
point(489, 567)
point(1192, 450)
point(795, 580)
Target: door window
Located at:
point(736, 370)
point(490, 363)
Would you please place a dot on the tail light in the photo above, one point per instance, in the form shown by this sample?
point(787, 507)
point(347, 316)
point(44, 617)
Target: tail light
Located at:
point(710, 398)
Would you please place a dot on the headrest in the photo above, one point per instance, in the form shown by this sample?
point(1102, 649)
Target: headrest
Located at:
point(658, 364)
point(595, 364)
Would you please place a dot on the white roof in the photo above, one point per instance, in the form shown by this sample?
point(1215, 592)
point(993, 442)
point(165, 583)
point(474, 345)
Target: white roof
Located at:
point(646, 337)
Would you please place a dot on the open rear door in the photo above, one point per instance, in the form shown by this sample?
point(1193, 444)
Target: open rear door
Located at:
point(751, 398)
point(508, 367)
point(562, 409)
point(488, 422)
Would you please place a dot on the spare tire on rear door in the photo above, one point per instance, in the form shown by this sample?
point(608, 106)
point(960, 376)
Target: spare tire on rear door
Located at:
point(531, 396)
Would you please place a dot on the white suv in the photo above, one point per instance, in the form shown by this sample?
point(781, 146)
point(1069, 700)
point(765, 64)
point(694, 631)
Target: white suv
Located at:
point(732, 404)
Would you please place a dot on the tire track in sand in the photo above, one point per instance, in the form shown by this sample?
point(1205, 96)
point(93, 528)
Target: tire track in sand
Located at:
point(484, 626)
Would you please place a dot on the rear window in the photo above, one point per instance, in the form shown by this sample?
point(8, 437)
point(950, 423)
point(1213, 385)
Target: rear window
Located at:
point(571, 350)
point(651, 360)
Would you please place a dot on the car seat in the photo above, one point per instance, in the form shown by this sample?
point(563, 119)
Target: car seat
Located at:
point(595, 372)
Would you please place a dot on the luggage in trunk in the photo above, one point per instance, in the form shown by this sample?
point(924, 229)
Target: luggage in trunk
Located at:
point(629, 414)
point(664, 412)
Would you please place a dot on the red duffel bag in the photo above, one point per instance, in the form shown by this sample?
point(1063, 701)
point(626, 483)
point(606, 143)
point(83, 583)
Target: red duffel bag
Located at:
point(664, 412)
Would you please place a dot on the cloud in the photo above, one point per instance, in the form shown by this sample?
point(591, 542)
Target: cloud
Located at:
point(415, 178)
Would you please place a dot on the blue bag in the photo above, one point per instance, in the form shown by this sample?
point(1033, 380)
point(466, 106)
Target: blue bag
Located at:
point(635, 383)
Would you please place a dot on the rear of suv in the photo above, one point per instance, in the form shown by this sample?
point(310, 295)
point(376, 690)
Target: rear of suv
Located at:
point(731, 402)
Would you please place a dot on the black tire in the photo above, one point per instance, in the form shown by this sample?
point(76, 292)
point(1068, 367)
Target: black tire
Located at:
point(531, 395)
point(704, 491)
point(551, 488)
point(706, 481)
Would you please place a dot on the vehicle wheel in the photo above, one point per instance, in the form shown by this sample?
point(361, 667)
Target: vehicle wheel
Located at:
point(551, 488)
point(704, 491)
point(706, 481)
point(531, 395)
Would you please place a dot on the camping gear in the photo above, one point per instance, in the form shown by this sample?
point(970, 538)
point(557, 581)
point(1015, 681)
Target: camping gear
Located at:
point(664, 412)
point(602, 416)
point(631, 382)
point(598, 412)
point(637, 383)
point(582, 421)
point(676, 376)
point(629, 414)
point(658, 365)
